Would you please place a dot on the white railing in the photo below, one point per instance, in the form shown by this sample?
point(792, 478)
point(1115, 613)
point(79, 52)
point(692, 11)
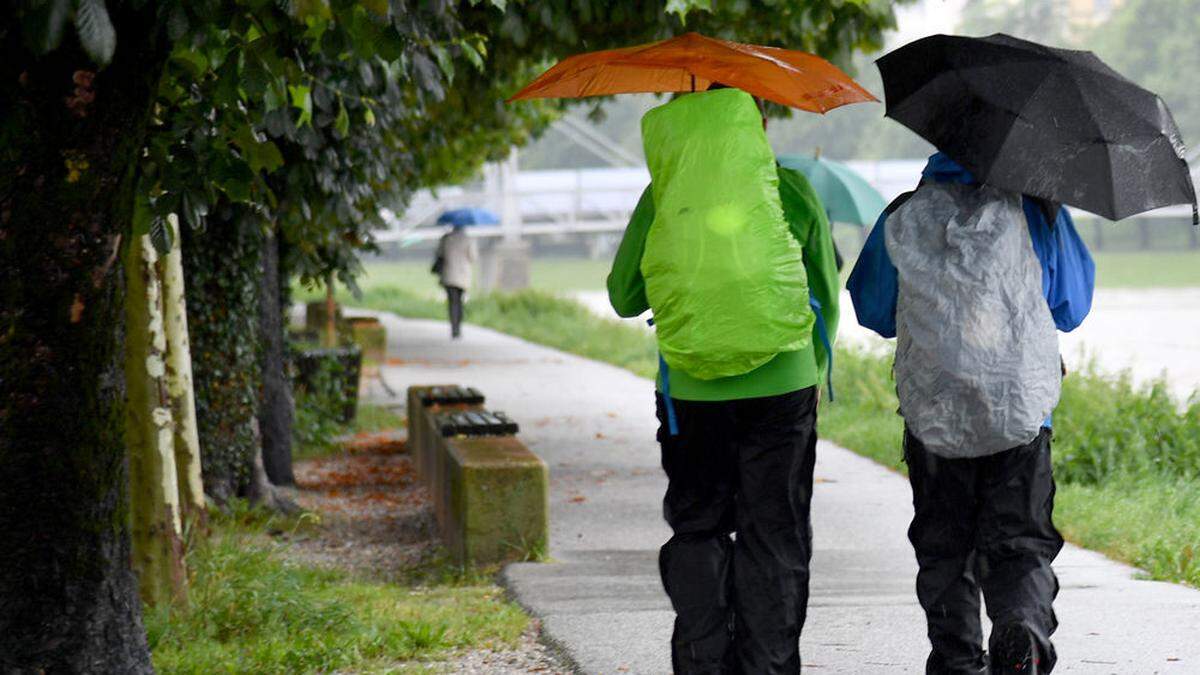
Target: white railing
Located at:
point(579, 201)
point(547, 202)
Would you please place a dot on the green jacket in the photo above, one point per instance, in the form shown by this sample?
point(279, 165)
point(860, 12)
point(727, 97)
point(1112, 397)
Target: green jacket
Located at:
point(787, 372)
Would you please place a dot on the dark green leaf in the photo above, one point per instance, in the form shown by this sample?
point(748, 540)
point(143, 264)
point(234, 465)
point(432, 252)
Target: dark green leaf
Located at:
point(379, 7)
point(445, 61)
point(342, 123)
point(302, 100)
point(47, 24)
point(305, 9)
point(193, 61)
point(96, 33)
point(162, 235)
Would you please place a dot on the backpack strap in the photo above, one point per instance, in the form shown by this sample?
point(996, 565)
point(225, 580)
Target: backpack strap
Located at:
point(664, 373)
point(823, 334)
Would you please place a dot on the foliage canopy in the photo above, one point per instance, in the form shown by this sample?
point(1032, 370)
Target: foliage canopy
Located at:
point(314, 113)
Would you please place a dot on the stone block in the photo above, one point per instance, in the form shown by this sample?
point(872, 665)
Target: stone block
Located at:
point(315, 313)
point(497, 506)
point(369, 334)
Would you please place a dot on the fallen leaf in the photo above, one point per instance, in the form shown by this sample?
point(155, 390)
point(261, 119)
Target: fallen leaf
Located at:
point(77, 309)
point(577, 499)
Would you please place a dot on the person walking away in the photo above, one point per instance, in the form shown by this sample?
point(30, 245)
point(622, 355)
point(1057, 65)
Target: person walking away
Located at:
point(981, 279)
point(456, 254)
point(732, 253)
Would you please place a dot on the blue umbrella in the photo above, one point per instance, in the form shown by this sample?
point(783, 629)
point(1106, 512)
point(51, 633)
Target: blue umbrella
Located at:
point(470, 215)
point(847, 196)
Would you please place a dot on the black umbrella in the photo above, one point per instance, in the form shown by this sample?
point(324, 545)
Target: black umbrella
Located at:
point(1052, 123)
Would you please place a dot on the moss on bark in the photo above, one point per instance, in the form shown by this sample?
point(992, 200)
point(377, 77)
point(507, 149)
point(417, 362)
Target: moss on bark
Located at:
point(149, 434)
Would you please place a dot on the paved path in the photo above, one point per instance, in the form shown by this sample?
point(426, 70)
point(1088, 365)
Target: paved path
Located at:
point(600, 598)
point(1149, 332)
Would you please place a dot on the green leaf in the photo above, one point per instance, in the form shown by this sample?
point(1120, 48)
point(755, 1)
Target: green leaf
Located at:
point(316, 27)
point(275, 96)
point(96, 33)
point(304, 9)
point(475, 50)
point(234, 178)
point(190, 60)
point(260, 155)
point(379, 7)
point(162, 235)
point(369, 117)
point(342, 123)
point(445, 61)
point(195, 209)
point(302, 99)
point(266, 157)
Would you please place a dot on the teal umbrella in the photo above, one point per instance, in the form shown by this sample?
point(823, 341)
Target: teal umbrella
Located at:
point(847, 196)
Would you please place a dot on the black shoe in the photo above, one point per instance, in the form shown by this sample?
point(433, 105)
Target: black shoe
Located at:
point(1014, 651)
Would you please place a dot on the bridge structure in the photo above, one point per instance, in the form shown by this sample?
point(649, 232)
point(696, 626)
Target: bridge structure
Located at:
point(599, 200)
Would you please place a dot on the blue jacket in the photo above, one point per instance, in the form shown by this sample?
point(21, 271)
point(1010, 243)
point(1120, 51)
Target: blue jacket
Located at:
point(1068, 273)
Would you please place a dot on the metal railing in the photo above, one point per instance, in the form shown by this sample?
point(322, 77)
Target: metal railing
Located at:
point(586, 201)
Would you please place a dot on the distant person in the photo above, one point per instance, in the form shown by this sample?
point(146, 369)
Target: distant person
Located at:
point(731, 252)
point(456, 254)
point(981, 279)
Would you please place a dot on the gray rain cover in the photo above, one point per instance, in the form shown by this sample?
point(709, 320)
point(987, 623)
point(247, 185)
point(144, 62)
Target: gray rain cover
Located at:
point(977, 365)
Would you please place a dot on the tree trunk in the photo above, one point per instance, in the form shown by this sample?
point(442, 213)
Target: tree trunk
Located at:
point(69, 142)
point(275, 408)
point(223, 265)
point(329, 334)
point(149, 434)
point(179, 386)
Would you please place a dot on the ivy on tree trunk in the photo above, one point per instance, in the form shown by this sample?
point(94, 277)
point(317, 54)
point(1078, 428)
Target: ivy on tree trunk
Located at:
point(222, 264)
point(69, 141)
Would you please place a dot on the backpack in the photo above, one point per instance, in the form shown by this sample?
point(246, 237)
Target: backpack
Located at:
point(977, 363)
point(724, 275)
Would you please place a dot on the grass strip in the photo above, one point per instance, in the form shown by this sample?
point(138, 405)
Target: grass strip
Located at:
point(1127, 460)
point(251, 610)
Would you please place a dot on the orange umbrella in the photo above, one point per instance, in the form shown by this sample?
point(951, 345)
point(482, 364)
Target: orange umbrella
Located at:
point(691, 62)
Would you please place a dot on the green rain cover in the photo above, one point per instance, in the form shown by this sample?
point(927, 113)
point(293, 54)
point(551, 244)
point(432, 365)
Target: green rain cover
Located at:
point(724, 275)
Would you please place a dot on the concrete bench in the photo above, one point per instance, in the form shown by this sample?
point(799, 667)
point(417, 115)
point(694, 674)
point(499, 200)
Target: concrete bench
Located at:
point(496, 501)
point(490, 493)
point(425, 403)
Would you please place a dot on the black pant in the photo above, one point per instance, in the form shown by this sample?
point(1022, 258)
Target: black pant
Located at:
point(742, 466)
point(454, 305)
point(984, 524)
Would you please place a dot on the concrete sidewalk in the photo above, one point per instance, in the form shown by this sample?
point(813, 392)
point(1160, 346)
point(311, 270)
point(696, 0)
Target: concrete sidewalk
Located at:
point(601, 601)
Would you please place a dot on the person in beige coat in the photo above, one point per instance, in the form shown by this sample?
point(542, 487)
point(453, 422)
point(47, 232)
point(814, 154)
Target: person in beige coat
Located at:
point(456, 255)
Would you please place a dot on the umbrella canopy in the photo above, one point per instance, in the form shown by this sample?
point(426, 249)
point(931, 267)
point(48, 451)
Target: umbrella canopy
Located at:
point(1051, 123)
point(691, 62)
point(468, 216)
point(847, 196)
